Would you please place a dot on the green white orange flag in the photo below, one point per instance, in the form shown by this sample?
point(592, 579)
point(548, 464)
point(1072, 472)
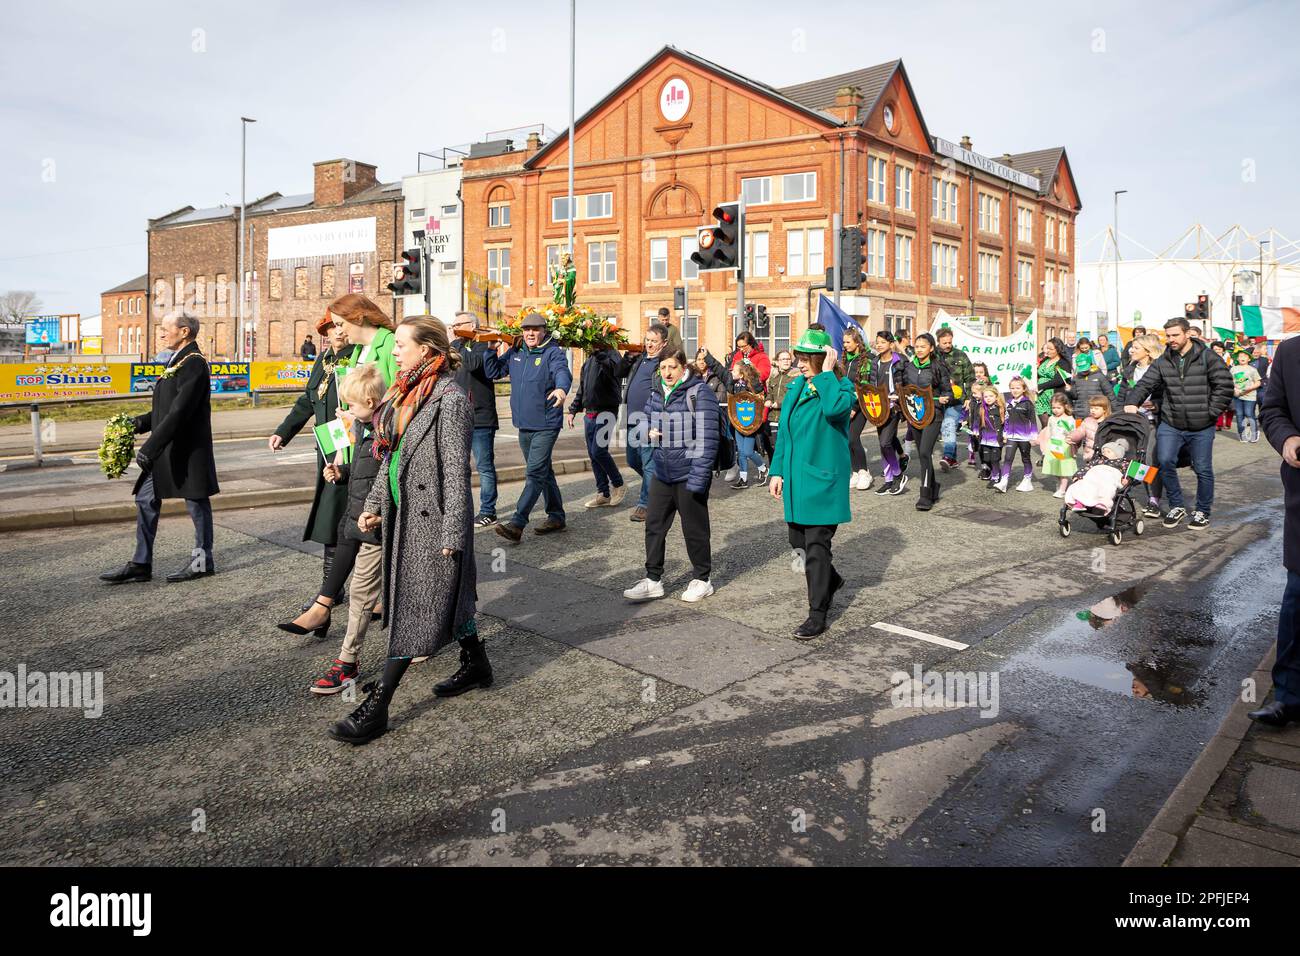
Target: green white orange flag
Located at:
point(333, 436)
point(1269, 323)
point(1140, 472)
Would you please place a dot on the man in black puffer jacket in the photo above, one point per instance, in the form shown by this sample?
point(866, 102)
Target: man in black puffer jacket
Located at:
point(1197, 388)
point(600, 392)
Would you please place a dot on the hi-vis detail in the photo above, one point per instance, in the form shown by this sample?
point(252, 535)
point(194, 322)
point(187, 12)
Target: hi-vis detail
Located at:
point(746, 412)
point(917, 405)
point(874, 401)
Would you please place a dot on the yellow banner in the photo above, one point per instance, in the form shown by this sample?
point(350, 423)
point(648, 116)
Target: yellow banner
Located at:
point(279, 375)
point(35, 381)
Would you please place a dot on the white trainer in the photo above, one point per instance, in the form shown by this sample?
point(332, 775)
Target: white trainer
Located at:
point(864, 480)
point(697, 590)
point(1002, 484)
point(1026, 484)
point(645, 590)
point(616, 495)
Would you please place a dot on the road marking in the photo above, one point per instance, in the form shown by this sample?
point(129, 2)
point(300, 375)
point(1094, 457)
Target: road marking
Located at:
point(920, 636)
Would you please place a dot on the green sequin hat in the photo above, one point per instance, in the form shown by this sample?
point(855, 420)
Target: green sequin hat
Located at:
point(813, 342)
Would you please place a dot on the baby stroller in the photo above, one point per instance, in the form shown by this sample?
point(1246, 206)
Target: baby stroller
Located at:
point(1123, 514)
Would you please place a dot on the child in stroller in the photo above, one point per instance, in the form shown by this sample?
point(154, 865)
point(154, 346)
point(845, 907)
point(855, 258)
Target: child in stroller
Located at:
point(1102, 491)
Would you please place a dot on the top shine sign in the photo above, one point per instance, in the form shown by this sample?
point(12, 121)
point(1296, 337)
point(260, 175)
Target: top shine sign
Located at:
point(674, 99)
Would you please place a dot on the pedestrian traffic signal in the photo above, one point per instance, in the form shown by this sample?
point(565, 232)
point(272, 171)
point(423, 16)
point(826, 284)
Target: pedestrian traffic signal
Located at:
point(751, 317)
point(722, 245)
point(408, 283)
point(851, 241)
point(760, 317)
point(1203, 307)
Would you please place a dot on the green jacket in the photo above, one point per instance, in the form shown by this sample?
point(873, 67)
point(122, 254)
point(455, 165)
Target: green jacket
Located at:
point(379, 351)
point(960, 368)
point(812, 450)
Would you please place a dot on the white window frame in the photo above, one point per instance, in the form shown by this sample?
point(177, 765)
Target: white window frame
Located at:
point(990, 211)
point(583, 202)
point(1024, 224)
point(1049, 284)
point(876, 264)
point(944, 197)
point(501, 211)
point(450, 212)
point(1049, 233)
point(1024, 278)
point(753, 242)
point(810, 186)
point(659, 260)
point(794, 261)
point(990, 272)
point(690, 268)
point(764, 190)
point(943, 264)
point(902, 187)
point(500, 267)
point(903, 257)
point(417, 214)
point(876, 178)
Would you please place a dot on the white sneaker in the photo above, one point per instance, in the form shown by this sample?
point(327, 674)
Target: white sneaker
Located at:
point(1002, 483)
point(616, 495)
point(1026, 484)
point(1058, 494)
point(597, 501)
point(645, 590)
point(697, 590)
point(863, 480)
point(796, 562)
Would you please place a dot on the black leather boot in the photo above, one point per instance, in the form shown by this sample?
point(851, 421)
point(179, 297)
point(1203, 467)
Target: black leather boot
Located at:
point(475, 671)
point(368, 721)
point(328, 565)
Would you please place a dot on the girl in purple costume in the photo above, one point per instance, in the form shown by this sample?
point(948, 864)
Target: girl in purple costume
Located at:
point(986, 425)
point(1020, 430)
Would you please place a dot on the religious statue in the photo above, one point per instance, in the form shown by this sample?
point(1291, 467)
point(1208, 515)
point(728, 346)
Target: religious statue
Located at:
point(563, 279)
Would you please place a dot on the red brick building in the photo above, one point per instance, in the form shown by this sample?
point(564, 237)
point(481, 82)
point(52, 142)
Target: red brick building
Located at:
point(301, 252)
point(125, 318)
point(946, 228)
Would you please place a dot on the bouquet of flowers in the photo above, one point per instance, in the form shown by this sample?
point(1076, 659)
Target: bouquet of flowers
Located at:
point(574, 326)
point(117, 450)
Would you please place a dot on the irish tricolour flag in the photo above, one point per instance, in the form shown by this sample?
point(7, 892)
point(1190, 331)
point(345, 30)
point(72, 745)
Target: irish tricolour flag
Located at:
point(333, 436)
point(1270, 323)
point(1140, 472)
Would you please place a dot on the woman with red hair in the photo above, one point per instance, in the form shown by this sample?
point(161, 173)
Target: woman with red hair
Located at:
point(368, 327)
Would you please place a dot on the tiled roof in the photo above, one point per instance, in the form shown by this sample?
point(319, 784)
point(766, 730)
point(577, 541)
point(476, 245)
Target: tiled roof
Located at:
point(820, 94)
point(1047, 160)
point(138, 284)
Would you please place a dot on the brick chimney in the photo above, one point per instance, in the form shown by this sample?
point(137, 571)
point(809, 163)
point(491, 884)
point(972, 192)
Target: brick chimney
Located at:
point(848, 104)
point(965, 142)
point(1005, 159)
point(534, 141)
point(340, 179)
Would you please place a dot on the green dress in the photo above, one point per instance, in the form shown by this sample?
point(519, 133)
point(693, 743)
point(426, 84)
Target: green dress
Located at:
point(1043, 403)
point(1058, 444)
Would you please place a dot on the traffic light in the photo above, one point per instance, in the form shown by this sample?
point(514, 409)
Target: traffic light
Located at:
point(1203, 307)
point(408, 283)
point(722, 245)
point(852, 240)
point(751, 316)
point(760, 317)
point(1189, 311)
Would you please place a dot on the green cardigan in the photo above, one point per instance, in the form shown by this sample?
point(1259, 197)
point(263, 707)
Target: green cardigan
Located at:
point(812, 450)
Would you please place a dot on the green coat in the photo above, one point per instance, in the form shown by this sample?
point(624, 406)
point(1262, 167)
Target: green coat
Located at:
point(331, 501)
point(812, 450)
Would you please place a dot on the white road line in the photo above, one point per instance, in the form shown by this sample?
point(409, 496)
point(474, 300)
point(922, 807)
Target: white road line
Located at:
point(921, 636)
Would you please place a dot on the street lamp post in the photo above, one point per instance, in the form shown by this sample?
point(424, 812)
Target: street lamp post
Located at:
point(1118, 193)
point(243, 179)
point(1262, 244)
point(573, 35)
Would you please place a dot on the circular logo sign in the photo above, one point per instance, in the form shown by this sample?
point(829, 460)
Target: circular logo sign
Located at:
point(674, 99)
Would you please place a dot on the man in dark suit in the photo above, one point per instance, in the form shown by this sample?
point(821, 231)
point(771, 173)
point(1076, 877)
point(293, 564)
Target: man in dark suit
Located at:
point(176, 461)
point(1280, 419)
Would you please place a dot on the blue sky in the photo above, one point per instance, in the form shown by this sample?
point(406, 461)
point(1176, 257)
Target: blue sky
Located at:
point(114, 113)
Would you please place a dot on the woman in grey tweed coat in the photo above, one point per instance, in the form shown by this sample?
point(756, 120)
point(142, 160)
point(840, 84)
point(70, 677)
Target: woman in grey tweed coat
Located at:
point(421, 497)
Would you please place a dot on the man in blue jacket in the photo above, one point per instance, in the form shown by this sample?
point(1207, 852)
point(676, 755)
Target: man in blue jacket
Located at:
point(539, 383)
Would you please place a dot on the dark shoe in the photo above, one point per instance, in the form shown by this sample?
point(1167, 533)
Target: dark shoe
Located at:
point(903, 462)
point(475, 671)
point(740, 483)
point(638, 514)
point(810, 628)
point(1153, 511)
point(511, 532)
point(887, 488)
point(128, 573)
point(338, 676)
point(899, 484)
point(947, 463)
point(484, 521)
point(367, 722)
point(1199, 520)
point(1276, 714)
point(925, 501)
point(549, 526)
point(1175, 517)
point(321, 631)
point(188, 573)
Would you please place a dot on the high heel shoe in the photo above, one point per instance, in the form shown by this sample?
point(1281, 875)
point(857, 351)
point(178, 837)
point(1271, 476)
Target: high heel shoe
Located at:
point(320, 632)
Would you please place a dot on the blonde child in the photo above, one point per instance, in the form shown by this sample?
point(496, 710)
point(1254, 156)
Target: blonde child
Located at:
point(1058, 454)
point(975, 396)
point(1019, 429)
point(990, 415)
point(1084, 433)
point(363, 390)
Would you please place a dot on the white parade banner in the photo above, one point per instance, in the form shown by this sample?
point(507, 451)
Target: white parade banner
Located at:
point(1005, 355)
point(321, 239)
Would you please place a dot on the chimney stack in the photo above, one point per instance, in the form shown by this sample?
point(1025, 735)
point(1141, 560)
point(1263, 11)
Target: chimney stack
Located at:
point(534, 142)
point(848, 104)
point(339, 179)
point(965, 142)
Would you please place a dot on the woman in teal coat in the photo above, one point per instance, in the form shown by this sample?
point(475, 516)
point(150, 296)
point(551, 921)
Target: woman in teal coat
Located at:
point(810, 469)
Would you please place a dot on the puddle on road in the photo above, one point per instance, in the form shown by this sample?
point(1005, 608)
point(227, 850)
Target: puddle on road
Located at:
point(1155, 651)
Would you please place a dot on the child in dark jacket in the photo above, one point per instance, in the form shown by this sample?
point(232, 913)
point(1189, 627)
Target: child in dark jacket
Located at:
point(1019, 431)
point(682, 417)
point(974, 396)
point(987, 422)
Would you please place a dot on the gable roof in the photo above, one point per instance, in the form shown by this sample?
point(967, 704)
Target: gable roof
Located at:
point(1047, 160)
point(138, 284)
point(762, 89)
point(820, 94)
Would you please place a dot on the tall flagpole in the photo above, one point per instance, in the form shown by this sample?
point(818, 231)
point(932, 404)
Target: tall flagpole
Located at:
point(573, 19)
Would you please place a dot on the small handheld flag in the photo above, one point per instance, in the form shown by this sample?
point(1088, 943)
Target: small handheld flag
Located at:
point(1140, 472)
point(333, 436)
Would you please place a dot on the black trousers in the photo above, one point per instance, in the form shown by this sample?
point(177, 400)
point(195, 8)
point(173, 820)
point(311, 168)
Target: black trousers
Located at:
point(814, 540)
point(665, 502)
point(926, 439)
point(340, 563)
point(857, 453)
point(766, 446)
point(148, 510)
